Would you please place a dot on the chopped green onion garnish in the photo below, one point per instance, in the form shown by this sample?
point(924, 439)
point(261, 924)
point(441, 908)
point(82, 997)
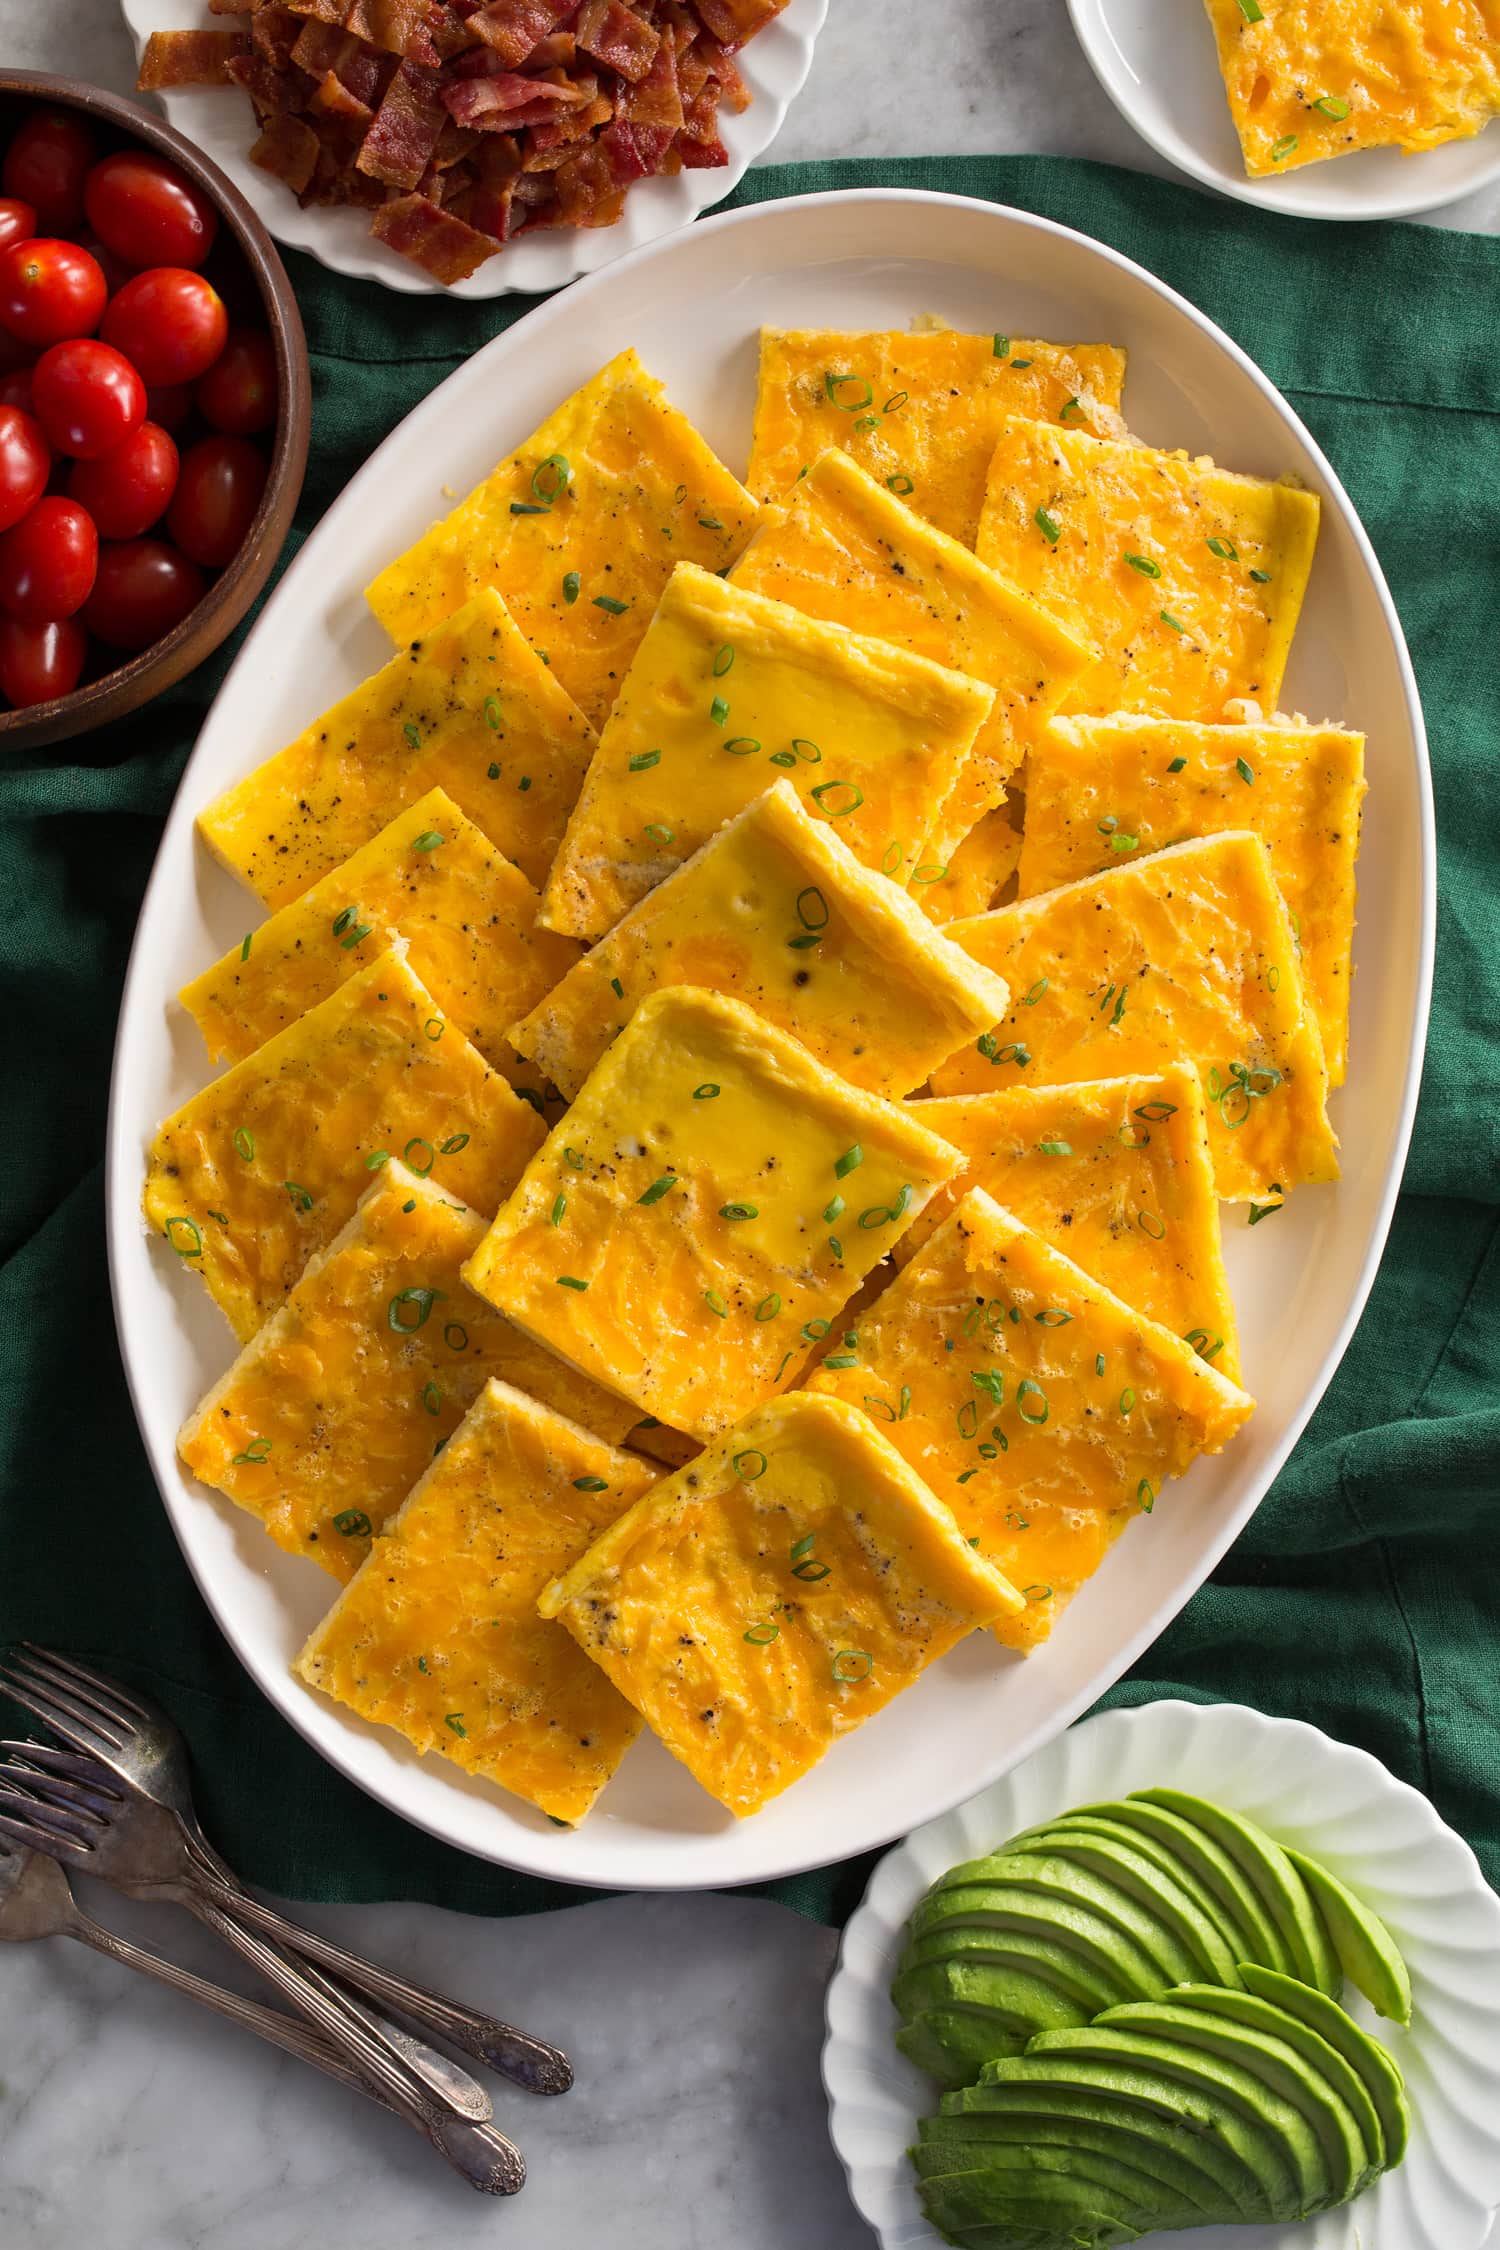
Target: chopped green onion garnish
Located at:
point(707, 1092)
point(559, 1206)
point(899, 484)
point(834, 1210)
point(1048, 526)
point(257, 1450)
point(1123, 843)
point(750, 1465)
point(456, 1336)
point(1259, 1211)
point(723, 661)
point(852, 1664)
point(1261, 577)
point(1127, 1401)
point(455, 1720)
point(590, 1484)
point(1036, 992)
point(815, 1330)
point(850, 1161)
point(1177, 765)
point(762, 1635)
point(1145, 565)
point(711, 523)
point(742, 745)
point(1027, 1389)
point(432, 1397)
point(492, 721)
point(191, 1245)
point(659, 1188)
point(643, 760)
point(452, 1145)
point(1074, 406)
point(1001, 348)
point(245, 948)
point(428, 841)
point(1244, 769)
point(572, 586)
point(607, 601)
point(715, 1303)
point(768, 1307)
point(658, 833)
point(571, 1281)
point(1145, 1496)
point(422, 1301)
point(413, 734)
point(1225, 549)
point(378, 1157)
point(1334, 106)
point(832, 384)
point(550, 488)
point(301, 1196)
point(244, 1143)
point(434, 1027)
point(826, 789)
point(739, 1211)
point(1055, 1148)
point(842, 1359)
point(807, 751)
point(1251, 10)
point(718, 710)
point(1175, 623)
point(353, 1523)
point(1282, 149)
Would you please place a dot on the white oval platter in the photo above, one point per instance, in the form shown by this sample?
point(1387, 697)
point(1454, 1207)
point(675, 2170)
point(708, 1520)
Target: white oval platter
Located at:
point(1157, 62)
point(1325, 1798)
point(693, 306)
point(774, 66)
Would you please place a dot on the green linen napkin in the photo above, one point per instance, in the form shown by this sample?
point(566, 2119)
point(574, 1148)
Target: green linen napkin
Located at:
point(1365, 1596)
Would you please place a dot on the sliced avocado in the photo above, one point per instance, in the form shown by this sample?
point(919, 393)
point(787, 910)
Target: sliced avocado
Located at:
point(1139, 2082)
point(1261, 1939)
point(1229, 2083)
point(970, 2139)
point(1280, 1887)
point(1279, 2065)
point(1261, 2015)
point(1045, 2108)
point(1021, 2000)
point(977, 2191)
point(1076, 2209)
point(1368, 1954)
point(1062, 1919)
point(953, 2044)
point(1119, 1861)
point(1060, 1964)
point(1057, 1834)
point(1374, 2064)
point(1066, 1879)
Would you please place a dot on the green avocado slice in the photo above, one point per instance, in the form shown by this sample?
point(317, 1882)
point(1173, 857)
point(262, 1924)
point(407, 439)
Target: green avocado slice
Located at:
point(1277, 1881)
point(1117, 1860)
point(1105, 2132)
point(976, 2191)
point(1279, 2065)
point(1065, 1879)
point(1059, 1833)
point(1133, 2078)
point(1092, 1988)
point(1375, 2065)
point(953, 2045)
point(1062, 1919)
point(1213, 2075)
point(1260, 1939)
point(1036, 2106)
point(1368, 1954)
point(1070, 2206)
point(1010, 1993)
point(1278, 2023)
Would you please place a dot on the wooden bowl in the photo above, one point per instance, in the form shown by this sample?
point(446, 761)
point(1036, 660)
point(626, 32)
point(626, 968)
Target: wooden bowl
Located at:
point(138, 678)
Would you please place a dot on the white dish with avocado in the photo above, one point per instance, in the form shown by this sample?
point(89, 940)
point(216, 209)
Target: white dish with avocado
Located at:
point(1134, 1983)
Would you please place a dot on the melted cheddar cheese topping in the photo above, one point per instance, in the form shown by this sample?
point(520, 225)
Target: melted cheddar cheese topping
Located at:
point(777, 911)
point(431, 877)
point(727, 692)
point(470, 709)
point(579, 530)
point(340, 1402)
point(438, 1634)
point(1186, 954)
point(1097, 785)
point(1114, 1172)
point(982, 1365)
point(712, 1194)
point(775, 1594)
point(919, 411)
point(1188, 579)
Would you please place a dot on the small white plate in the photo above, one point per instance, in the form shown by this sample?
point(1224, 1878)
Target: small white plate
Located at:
point(1327, 1799)
point(1157, 62)
point(774, 66)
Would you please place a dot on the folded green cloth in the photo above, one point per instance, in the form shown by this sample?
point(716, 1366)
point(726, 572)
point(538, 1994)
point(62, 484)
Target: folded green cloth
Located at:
point(1365, 1597)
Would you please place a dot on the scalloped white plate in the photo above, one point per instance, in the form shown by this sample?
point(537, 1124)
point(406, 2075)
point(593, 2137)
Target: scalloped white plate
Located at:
point(1157, 62)
point(1335, 1802)
point(775, 66)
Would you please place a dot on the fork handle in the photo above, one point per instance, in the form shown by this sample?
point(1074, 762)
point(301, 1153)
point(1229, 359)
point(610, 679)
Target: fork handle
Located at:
point(528, 2062)
point(483, 2156)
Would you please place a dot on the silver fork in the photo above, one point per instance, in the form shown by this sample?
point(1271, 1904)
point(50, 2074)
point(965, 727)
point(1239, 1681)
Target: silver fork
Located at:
point(143, 1749)
point(36, 1901)
point(75, 1817)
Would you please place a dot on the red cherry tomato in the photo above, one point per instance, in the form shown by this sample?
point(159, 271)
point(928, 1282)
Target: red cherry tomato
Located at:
point(25, 458)
point(171, 323)
point(46, 165)
point(38, 662)
point(88, 397)
point(115, 271)
point(143, 589)
point(238, 394)
point(17, 221)
point(148, 212)
point(125, 491)
point(15, 389)
point(218, 491)
point(47, 562)
point(50, 291)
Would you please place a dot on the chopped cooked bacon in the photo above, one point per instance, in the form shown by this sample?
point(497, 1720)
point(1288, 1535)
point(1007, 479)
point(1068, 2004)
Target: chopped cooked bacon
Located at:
point(463, 124)
point(405, 131)
point(514, 28)
point(615, 35)
point(445, 245)
point(288, 147)
point(189, 58)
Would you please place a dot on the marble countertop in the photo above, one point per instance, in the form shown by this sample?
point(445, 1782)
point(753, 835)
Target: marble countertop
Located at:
point(130, 2120)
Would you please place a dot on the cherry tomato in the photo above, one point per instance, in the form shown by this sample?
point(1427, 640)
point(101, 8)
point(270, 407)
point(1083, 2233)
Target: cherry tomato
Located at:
point(170, 404)
point(115, 271)
point(218, 491)
point(17, 221)
point(15, 389)
point(46, 165)
point(238, 394)
point(38, 662)
point(50, 291)
point(88, 397)
point(125, 491)
point(143, 589)
point(171, 323)
point(48, 561)
point(25, 458)
point(149, 212)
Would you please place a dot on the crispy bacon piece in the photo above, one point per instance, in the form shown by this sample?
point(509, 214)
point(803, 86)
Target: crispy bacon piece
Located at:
point(274, 33)
point(445, 245)
point(397, 27)
point(326, 11)
point(400, 142)
point(515, 28)
point(701, 156)
point(656, 99)
point(288, 147)
point(732, 22)
point(189, 58)
point(231, 7)
point(332, 98)
point(616, 36)
point(558, 51)
point(723, 68)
